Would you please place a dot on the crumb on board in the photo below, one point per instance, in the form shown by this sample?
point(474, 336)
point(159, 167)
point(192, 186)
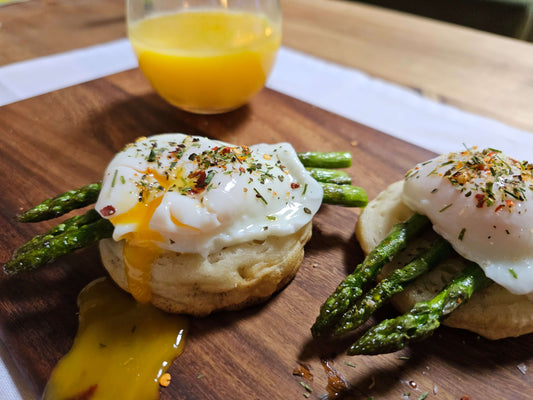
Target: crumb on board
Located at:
point(164, 380)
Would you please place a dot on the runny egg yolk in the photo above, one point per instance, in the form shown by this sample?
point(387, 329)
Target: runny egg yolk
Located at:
point(140, 247)
point(121, 349)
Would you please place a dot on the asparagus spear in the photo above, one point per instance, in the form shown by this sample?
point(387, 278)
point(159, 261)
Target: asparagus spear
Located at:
point(333, 159)
point(330, 176)
point(345, 195)
point(351, 288)
point(393, 284)
point(59, 245)
point(62, 204)
point(70, 224)
point(422, 320)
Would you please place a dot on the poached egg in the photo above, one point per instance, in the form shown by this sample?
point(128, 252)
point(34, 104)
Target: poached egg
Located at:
point(482, 203)
point(189, 194)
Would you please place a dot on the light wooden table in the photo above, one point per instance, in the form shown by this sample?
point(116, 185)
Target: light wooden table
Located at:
point(476, 71)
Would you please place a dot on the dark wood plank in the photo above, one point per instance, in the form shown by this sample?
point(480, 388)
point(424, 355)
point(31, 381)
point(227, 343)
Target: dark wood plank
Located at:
point(64, 139)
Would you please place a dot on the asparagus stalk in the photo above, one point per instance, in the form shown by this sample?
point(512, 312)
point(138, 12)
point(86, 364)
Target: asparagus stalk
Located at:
point(59, 245)
point(352, 287)
point(391, 285)
point(333, 159)
point(330, 176)
point(345, 195)
point(422, 320)
point(62, 204)
point(70, 224)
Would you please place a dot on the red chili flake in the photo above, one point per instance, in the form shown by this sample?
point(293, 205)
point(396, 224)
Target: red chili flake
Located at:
point(465, 397)
point(295, 185)
point(480, 200)
point(226, 150)
point(499, 208)
point(107, 211)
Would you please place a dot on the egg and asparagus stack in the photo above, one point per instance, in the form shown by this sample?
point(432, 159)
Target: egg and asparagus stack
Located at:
point(195, 225)
point(452, 243)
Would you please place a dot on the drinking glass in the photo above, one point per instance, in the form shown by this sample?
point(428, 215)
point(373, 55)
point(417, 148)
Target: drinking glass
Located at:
point(205, 56)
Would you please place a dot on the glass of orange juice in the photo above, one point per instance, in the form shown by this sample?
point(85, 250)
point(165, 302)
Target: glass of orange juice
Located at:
point(205, 56)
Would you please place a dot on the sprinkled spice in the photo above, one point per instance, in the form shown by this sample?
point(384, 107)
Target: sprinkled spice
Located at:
point(114, 178)
point(108, 211)
point(513, 273)
point(461, 234)
point(207, 163)
point(495, 179)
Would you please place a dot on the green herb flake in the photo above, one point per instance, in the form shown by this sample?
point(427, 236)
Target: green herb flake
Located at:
point(200, 376)
point(404, 358)
point(513, 273)
point(423, 396)
point(461, 234)
point(260, 196)
point(305, 189)
point(271, 217)
point(122, 179)
point(114, 179)
point(151, 156)
point(350, 364)
point(209, 177)
point(446, 207)
point(306, 387)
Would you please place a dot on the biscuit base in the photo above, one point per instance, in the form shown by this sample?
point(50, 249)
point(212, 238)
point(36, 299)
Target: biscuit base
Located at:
point(231, 279)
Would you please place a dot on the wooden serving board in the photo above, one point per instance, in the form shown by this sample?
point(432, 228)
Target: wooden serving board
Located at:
point(64, 139)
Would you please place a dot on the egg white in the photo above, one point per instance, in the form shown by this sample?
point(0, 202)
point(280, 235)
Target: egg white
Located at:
point(486, 224)
point(264, 192)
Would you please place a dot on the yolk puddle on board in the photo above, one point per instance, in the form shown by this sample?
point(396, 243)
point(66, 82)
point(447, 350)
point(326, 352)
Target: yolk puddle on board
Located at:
point(121, 349)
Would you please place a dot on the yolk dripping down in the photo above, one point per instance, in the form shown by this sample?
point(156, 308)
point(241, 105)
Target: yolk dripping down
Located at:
point(140, 247)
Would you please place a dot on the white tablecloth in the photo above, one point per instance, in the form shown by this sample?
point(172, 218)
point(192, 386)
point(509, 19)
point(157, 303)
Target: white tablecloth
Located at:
point(392, 109)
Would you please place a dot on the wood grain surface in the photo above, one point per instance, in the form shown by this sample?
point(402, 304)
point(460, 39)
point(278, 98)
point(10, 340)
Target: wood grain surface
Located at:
point(64, 139)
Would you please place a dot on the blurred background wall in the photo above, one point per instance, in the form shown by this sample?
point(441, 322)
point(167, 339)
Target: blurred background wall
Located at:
point(513, 18)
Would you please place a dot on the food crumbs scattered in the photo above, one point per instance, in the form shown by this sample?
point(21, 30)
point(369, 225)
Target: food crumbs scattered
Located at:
point(303, 370)
point(354, 143)
point(200, 376)
point(350, 364)
point(337, 385)
point(164, 380)
point(522, 368)
point(306, 386)
point(465, 397)
point(413, 384)
point(372, 382)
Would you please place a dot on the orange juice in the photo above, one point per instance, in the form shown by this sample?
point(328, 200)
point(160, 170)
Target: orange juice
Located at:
point(206, 61)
